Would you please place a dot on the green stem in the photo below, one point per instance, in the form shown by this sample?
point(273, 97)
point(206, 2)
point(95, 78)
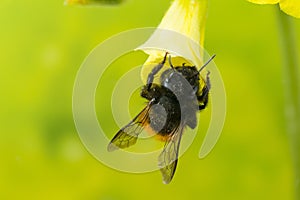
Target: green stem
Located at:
point(291, 81)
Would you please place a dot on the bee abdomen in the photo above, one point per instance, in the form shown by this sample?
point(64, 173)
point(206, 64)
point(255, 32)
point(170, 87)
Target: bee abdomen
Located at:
point(165, 116)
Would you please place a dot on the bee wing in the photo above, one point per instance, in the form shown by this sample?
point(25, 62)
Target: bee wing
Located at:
point(128, 135)
point(167, 160)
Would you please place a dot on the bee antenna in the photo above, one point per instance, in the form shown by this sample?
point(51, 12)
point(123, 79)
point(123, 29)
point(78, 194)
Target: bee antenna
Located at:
point(207, 62)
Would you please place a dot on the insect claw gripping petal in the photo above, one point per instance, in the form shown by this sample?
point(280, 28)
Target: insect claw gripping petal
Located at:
point(208, 80)
point(155, 70)
point(170, 62)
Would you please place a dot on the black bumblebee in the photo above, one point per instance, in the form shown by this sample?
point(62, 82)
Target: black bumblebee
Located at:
point(173, 105)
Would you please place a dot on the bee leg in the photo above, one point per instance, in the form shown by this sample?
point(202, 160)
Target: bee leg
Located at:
point(154, 71)
point(151, 93)
point(170, 62)
point(208, 80)
point(204, 102)
point(203, 99)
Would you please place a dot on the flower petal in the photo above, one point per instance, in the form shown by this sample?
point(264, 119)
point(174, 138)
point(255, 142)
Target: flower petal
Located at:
point(291, 7)
point(264, 1)
point(73, 2)
point(181, 33)
point(184, 17)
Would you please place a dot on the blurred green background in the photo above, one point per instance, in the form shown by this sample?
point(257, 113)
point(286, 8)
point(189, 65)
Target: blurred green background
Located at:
point(43, 44)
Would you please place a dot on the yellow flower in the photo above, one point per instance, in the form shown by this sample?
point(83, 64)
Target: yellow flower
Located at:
point(184, 18)
point(71, 2)
point(291, 7)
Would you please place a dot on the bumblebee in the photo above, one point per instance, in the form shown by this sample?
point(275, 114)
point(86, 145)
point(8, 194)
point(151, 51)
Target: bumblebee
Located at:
point(172, 106)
